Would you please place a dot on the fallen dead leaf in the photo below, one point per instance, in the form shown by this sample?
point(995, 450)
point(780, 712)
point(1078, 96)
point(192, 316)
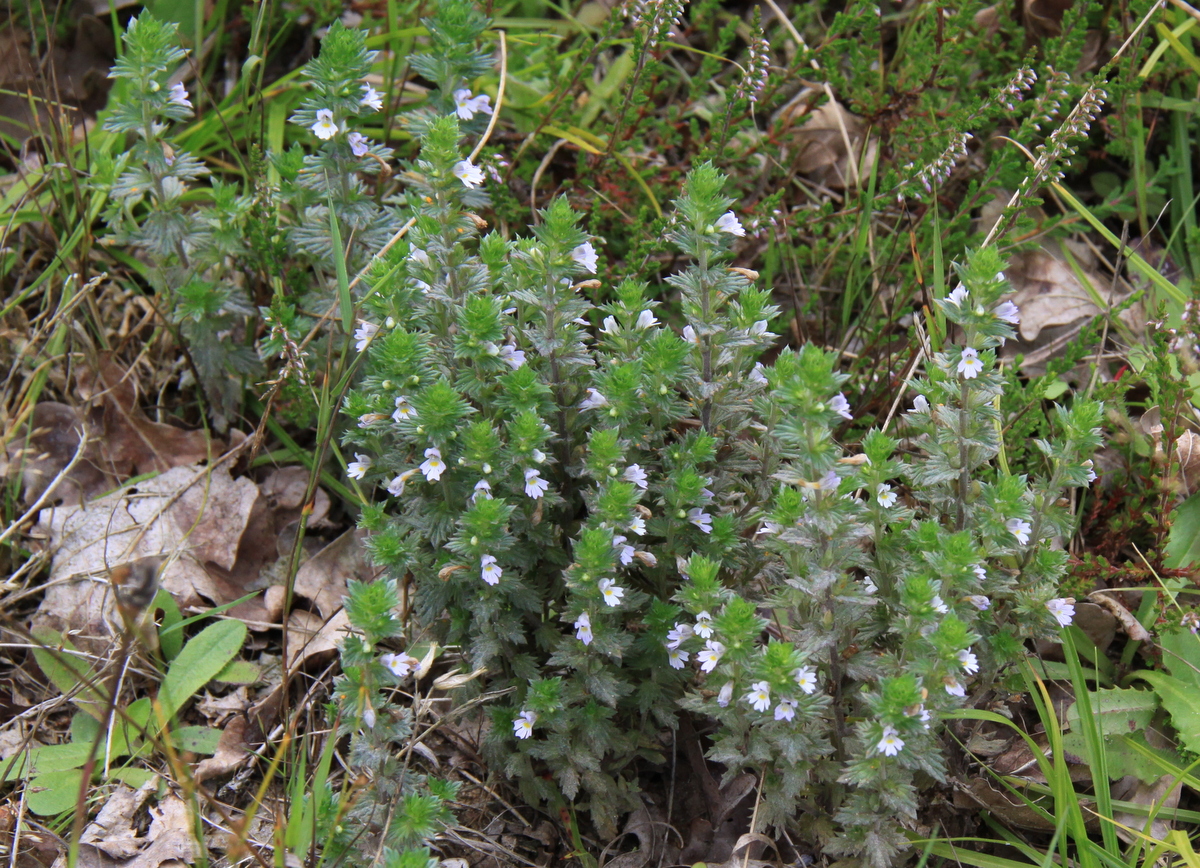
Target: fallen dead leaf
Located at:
point(819, 138)
point(54, 437)
point(113, 829)
point(323, 578)
point(231, 751)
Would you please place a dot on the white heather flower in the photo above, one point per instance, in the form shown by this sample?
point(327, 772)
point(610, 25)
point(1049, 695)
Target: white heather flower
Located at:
point(678, 634)
point(363, 335)
point(700, 519)
point(958, 296)
point(634, 473)
point(677, 657)
point(637, 525)
point(535, 486)
point(689, 335)
point(704, 628)
point(358, 468)
point(939, 605)
point(359, 144)
point(467, 172)
point(400, 665)
point(758, 374)
point(953, 686)
point(869, 585)
point(593, 401)
point(610, 326)
point(1020, 529)
point(1008, 312)
point(396, 487)
point(970, 365)
point(611, 592)
point(841, 406)
point(489, 570)
point(325, 128)
point(1091, 473)
point(806, 677)
point(725, 695)
point(970, 663)
point(646, 319)
point(433, 467)
point(891, 743)
point(467, 106)
point(510, 355)
point(786, 709)
point(404, 410)
point(483, 489)
point(371, 98)
point(624, 551)
point(979, 601)
point(179, 95)
point(523, 725)
point(583, 628)
point(1063, 610)
point(585, 254)
point(759, 696)
point(885, 495)
point(920, 404)
point(729, 223)
point(711, 655)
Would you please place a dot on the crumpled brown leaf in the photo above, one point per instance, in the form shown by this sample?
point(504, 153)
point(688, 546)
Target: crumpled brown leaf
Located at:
point(231, 752)
point(167, 842)
point(818, 137)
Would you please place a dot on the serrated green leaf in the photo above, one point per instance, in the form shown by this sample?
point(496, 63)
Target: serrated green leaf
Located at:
point(1183, 541)
point(1119, 711)
point(199, 662)
point(1182, 702)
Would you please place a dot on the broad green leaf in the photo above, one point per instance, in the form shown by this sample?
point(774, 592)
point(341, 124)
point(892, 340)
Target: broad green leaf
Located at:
point(1181, 656)
point(132, 777)
point(1182, 701)
point(169, 641)
point(199, 662)
point(1183, 541)
point(238, 672)
point(66, 671)
point(41, 760)
point(197, 739)
point(54, 792)
point(1118, 711)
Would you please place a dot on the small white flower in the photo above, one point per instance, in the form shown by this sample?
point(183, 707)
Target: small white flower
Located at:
point(980, 572)
point(979, 601)
point(510, 355)
point(420, 257)
point(647, 558)
point(489, 570)
point(729, 224)
point(359, 144)
point(885, 495)
point(637, 525)
point(610, 326)
point(920, 404)
point(758, 374)
point(925, 717)
point(970, 663)
point(970, 365)
point(535, 486)
point(953, 686)
point(725, 695)
point(786, 709)
point(1008, 312)
point(768, 527)
point(1091, 473)
point(704, 628)
point(624, 552)
point(538, 456)
point(404, 410)
point(363, 335)
point(806, 677)
point(841, 406)
point(433, 467)
point(467, 106)
point(677, 657)
point(711, 655)
point(939, 605)
point(400, 665)
point(646, 319)
point(358, 468)
point(585, 254)
point(325, 128)
point(371, 98)
point(689, 335)
point(759, 696)
point(958, 296)
point(1020, 529)
point(700, 519)
point(869, 585)
point(611, 592)
point(366, 420)
point(891, 743)
point(583, 628)
point(679, 634)
point(523, 725)
point(396, 487)
point(483, 489)
point(1063, 610)
point(593, 401)
point(467, 172)
point(634, 473)
point(179, 95)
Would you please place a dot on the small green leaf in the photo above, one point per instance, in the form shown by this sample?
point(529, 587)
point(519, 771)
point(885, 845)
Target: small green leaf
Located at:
point(169, 640)
point(66, 671)
point(40, 760)
point(1182, 702)
point(1183, 541)
point(199, 662)
point(238, 672)
point(197, 739)
point(1181, 656)
point(54, 792)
